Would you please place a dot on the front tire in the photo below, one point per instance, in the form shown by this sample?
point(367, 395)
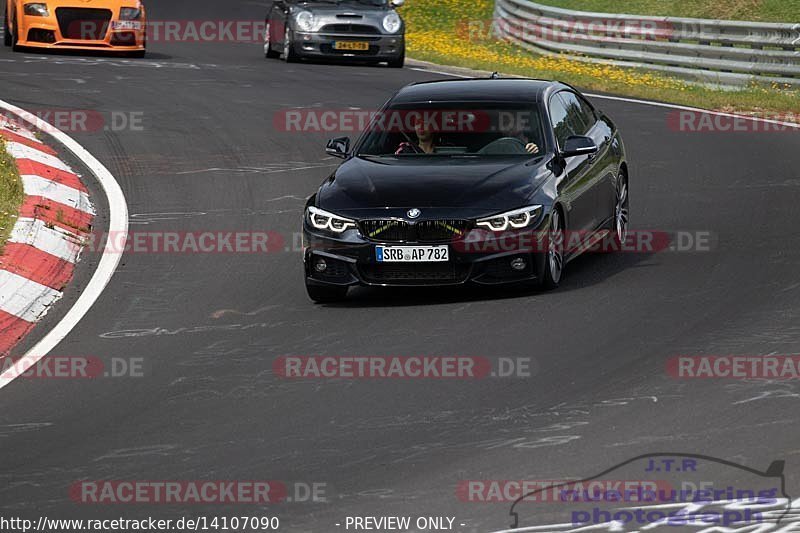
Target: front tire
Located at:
point(554, 261)
point(143, 52)
point(322, 294)
point(400, 61)
point(289, 55)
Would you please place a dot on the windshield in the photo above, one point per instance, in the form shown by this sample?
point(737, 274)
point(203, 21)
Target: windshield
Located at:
point(365, 2)
point(451, 129)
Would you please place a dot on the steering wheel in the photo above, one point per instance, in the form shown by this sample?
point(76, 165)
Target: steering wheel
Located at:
point(504, 145)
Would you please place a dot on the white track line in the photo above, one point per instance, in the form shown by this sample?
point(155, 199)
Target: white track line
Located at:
point(118, 215)
point(696, 109)
point(640, 102)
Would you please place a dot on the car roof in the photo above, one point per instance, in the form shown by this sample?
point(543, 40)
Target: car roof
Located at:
point(477, 90)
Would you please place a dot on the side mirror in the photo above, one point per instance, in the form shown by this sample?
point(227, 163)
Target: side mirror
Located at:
point(397, 3)
point(579, 145)
point(339, 147)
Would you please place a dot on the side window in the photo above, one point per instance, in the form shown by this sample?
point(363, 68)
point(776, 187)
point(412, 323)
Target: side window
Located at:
point(559, 117)
point(579, 123)
point(589, 115)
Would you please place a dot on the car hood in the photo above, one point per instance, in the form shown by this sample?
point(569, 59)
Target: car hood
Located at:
point(323, 8)
point(101, 4)
point(482, 185)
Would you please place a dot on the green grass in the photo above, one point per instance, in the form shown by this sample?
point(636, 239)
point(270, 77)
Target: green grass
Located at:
point(755, 10)
point(443, 31)
point(11, 194)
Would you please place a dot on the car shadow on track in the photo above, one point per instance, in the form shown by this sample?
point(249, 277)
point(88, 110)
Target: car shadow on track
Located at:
point(341, 62)
point(586, 270)
point(94, 54)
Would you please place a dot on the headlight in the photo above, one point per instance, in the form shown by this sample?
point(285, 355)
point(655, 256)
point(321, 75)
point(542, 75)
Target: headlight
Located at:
point(36, 10)
point(304, 20)
point(517, 219)
point(392, 22)
point(130, 13)
point(323, 220)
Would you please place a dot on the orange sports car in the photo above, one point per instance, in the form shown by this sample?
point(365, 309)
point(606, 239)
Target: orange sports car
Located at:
point(114, 25)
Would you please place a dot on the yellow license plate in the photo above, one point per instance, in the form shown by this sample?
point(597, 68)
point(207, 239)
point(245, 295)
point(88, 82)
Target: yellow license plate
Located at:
point(350, 45)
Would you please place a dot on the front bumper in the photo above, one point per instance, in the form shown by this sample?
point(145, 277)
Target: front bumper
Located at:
point(475, 259)
point(321, 45)
point(45, 32)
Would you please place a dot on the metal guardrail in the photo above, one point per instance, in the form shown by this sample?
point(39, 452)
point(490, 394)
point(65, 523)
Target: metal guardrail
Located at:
point(711, 51)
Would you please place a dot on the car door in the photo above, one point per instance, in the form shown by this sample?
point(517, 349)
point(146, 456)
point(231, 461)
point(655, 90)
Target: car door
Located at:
point(603, 183)
point(574, 183)
point(596, 174)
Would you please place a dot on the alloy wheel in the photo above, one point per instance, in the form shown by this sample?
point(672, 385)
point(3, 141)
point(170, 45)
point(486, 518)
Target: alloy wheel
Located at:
point(555, 251)
point(621, 212)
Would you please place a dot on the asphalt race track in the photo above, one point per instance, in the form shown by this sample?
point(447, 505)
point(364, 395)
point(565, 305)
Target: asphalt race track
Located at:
point(208, 327)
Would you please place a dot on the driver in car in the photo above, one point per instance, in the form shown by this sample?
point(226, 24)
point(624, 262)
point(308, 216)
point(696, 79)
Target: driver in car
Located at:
point(425, 142)
point(530, 147)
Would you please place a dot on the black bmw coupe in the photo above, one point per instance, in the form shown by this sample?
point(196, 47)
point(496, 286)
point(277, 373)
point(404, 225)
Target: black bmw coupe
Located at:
point(485, 181)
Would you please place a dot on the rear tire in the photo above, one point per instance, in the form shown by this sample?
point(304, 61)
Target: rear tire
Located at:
point(6, 32)
point(322, 294)
point(622, 210)
point(269, 53)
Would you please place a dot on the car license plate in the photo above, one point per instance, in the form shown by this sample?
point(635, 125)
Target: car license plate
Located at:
point(412, 254)
point(350, 45)
point(126, 25)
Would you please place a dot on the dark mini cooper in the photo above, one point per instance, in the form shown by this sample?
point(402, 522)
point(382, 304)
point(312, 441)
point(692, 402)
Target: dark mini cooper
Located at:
point(485, 181)
point(363, 30)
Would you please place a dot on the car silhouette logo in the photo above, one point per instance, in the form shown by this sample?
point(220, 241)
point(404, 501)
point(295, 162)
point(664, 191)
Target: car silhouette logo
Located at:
point(774, 473)
point(414, 213)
